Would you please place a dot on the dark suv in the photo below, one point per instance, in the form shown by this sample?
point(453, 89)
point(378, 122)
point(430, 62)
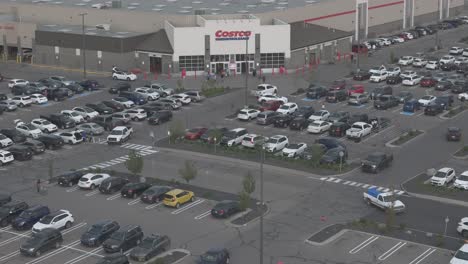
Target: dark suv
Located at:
point(29, 217)
point(137, 98)
point(21, 153)
point(41, 241)
point(154, 194)
point(124, 239)
point(119, 87)
point(338, 129)
point(132, 190)
point(60, 120)
point(70, 178)
point(159, 117)
point(334, 96)
point(101, 108)
point(13, 134)
point(316, 92)
point(112, 184)
point(10, 211)
point(379, 91)
point(99, 232)
point(51, 141)
point(107, 122)
point(150, 247)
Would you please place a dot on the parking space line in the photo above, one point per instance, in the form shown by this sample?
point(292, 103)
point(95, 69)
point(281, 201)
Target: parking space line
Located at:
point(53, 253)
point(134, 201)
point(347, 182)
point(80, 225)
point(113, 197)
point(152, 206)
point(201, 216)
point(422, 113)
point(322, 179)
point(92, 193)
point(5, 228)
point(363, 244)
point(392, 250)
point(11, 239)
point(380, 188)
point(337, 181)
point(16, 233)
point(353, 183)
point(365, 185)
point(86, 255)
point(424, 255)
point(397, 110)
point(180, 210)
point(10, 255)
point(386, 190)
point(331, 179)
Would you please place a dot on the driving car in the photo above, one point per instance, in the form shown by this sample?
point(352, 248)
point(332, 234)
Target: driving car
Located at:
point(120, 75)
point(453, 134)
point(92, 180)
point(150, 246)
point(214, 256)
point(61, 219)
point(98, 233)
point(411, 80)
point(294, 150)
point(356, 89)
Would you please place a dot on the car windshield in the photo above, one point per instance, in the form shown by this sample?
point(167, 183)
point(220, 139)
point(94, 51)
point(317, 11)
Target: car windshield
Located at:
point(286, 107)
point(46, 219)
point(95, 126)
point(87, 109)
point(147, 243)
point(2, 137)
point(440, 174)
point(374, 158)
point(446, 58)
point(95, 229)
point(294, 146)
point(118, 235)
point(461, 255)
point(116, 132)
point(209, 257)
point(30, 127)
point(463, 178)
point(45, 122)
point(272, 140)
point(316, 124)
point(383, 99)
point(356, 127)
point(74, 114)
point(426, 97)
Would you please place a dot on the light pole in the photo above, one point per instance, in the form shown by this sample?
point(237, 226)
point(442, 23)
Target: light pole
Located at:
point(446, 223)
point(262, 160)
point(83, 42)
point(214, 139)
point(246, 69)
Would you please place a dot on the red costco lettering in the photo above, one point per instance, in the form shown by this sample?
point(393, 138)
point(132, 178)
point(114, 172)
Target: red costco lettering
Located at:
point(231, 34)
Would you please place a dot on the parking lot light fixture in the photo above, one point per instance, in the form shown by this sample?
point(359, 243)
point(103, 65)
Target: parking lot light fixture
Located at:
point(83, 42)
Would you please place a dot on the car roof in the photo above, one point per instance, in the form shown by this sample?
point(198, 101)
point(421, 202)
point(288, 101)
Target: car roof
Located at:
point(4, 152)
point(445, 169)
point(277, 137)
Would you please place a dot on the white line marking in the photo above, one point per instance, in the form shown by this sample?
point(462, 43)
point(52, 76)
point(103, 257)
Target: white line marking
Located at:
point(331, 179)
point(347, 182)
point(113, 197)
point(73, 228)
point(72, 189)
point(337, 181)
point(17, 237)
point(379, 132)
point(92, 193)
point(399, 192)
point(10, 255)
point(397, 110)
point(380, 188)
point(188, 206)
point(424, 255)
point(201, 216)
point(323, 178)
point(86, 255)
point(153, 206)
point(392, 250)
point(16, 233)
point(386, 190)
point(365, 186)
point(353, 183)
point(134, 201)
point(363, 244)
point(53, 253)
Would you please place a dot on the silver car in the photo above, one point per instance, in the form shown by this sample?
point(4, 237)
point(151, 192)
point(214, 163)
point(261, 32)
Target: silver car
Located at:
point(91, 128)
point(126, 118)
point(358, 99)
point(8, 105)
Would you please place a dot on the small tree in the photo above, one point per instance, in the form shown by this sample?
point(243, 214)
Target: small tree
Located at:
point(244, 200)
point(189, 171)
point(248, 184)
point(393, 59)
point(316, 152)
point(134, 163)
point(176, 130)
point(215, 133)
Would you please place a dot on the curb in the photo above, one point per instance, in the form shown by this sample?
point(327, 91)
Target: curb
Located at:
point(105, 74)
point(459, 157)
point(229, 221)
point(448, 118)
point(390, 145)
point(328, 240)
point(255, 219)
point(438, 199)
point(168, 253)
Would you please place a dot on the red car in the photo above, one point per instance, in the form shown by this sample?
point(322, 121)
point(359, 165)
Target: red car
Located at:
point(272, 105)
point(428, 82)
point(404, 36)
point(338, 85)
point(195, 133)
point(356, 88)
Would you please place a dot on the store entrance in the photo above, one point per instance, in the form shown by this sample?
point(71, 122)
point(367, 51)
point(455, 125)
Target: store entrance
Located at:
point(155, 64)
point(218, 67)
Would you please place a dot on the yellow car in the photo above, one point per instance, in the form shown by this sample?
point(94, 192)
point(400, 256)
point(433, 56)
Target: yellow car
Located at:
point(177, 197)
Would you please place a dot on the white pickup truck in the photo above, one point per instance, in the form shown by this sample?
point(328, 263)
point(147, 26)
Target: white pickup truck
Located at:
point(359, 130)
point(264, 89)
point(119, 134)
point(383, 200)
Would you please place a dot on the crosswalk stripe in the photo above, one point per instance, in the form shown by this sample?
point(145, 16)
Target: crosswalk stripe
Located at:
point(353, 183)
point(386, 190)
point(346, 182)
point(365, 186)
point(358, 184)
point(323, 178)
point(337, 181)
point(330, 179)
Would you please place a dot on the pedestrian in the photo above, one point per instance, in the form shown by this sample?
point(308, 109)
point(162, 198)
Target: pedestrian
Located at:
point(91, 138)
point(263, 79)
point(83, 134)
point(38, 185)
point(323, 106)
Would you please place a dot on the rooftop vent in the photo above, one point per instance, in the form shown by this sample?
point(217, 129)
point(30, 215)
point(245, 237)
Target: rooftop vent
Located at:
point(105, 27)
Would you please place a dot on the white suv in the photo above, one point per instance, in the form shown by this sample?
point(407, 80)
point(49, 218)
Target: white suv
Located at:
point(288, 108)
point(22, 101)
point(247, 114)
point(432, 65)
point(44, 125)
point(462, 181)
point(28, 129)
point(136, 114)
point(183, 98)
point(62, 219)
point(6, 157)
point(447, 59)
point(75, 116)
point(455, 51)
point(275, 143)
point(14, 82)
point(264, 89)
point(149, 93)
point(405, 60)
point(119, 75)
point(92, 180)
point(233, 137)
point(411, 80)
point(443, 177)
point(5, 141)
point(86, 112)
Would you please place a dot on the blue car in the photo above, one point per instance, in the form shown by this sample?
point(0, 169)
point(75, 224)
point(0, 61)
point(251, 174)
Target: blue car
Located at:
point(411, 106)
point(29, 217)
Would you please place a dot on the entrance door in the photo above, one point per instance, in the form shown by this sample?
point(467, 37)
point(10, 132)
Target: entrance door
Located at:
point(155, 64)
point(243, 67)
point(219, 67)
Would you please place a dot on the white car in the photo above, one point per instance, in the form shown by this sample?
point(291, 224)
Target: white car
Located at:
point(137, 114)
point(92, 180)
point(406, 60)
point(253, 140)
point(75, 116)
point(432, 65)
point(465, 53)
point(384, 41)
point(124, 102)
point(294, 150)
point(14, 82)
point(447, 59)
point(461, 256)
point(22, 101)
point(443, 177)
point(71, 137)
point(233, 137)
point(6, 157)
point(460, 60)
point(461, 181)
point(408, 74)
point(264, 89)
point(427, 99)
point(183, 98)
point(120, 75)
point(276, 143)
point(62, 219)
point(394, 71)
point(419, 62)
point(318, 126)
point(149, 93)
point(247, 114)
point(5, 141)
point(44, 125)
point(320, 115)
point(28, 129)
point(455, 51)
point(288, 108)
point(398, 39)
point(271, 97)
point(378, 69)
point(462, 227)
point(86, 112)
point(378, 77)
point(408, 35)
point(463, 96)
point(38, 99)
point(412, 80)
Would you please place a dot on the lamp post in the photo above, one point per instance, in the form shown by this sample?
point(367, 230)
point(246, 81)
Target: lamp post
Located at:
point(83, 42)
point(214, 139)
point(246, 69)
point(262, 160)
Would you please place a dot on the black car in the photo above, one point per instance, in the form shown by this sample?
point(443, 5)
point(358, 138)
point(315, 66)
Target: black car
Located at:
point(394, 80)
point(91, 85)
point(21, 153)
point(132, 190)
point(117, 258)
point(114, 105)
point(99, 232)
point(225, 209)
point(108, 122)
point(304, 111)
point(124, 239)
point(10, 211)
point(3, 97)
point(299, 123)
point(29, 217)
point(448, 67)
point(212, 133)
point(316, 92)
point(119, 87)
point(4, 198)
point(35, 146)
point(453, 134)
point(459, 87)
point(150, 247)
point(361, 75)
point(76, 88)
point(338, 129)
point(376, 161)
point(283, 121)
point(159, 117)
point(51, 141)
point(379, 91)
point(332, 156)
point(214, 256)
point(154, 194)
point(24, 90)
point(329, 143)
point(386, 102)
point(50, 83)
point(358, 117)
point(14, 135)
point(443, 85)
point(70, 178)
point(41, 241)
point(339, 116)
point(433, 109)
point(404, 96)
point(445, 101)
point(334, 96)
point(112, 184)
point(101, 108)
point(60, 120)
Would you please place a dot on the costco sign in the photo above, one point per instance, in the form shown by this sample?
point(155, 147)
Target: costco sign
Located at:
point(232, 35)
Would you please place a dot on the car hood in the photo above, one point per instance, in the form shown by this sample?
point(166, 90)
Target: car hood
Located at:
point(89, 236)
point(112, 242)
point(288, 151)
point(368, 162)
point(29, 244)
point(140, 252)
point(40, 226)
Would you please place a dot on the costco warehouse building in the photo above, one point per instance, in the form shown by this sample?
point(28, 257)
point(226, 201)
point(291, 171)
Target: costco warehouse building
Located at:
point(171, 35)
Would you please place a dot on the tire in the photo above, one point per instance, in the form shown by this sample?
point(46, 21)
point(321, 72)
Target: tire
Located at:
point(465, 233)
point(57, 245)
point(92, 186)
point(70, 184)
point(70, 142)
point(462, 99)
point(38, 253)
point(192, 199)
point(135, 119)
point(4, 223)
point(227, 260)
point(114, 77)
point(56, 99)
point(21, 105)
point(368, 201)
point(134, 195)
point(128, 79)
point(177, 205)
point(68, 225)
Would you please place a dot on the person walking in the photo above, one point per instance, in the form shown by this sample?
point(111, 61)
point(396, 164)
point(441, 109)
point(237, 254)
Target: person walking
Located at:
point(38, 185)
point(83, 134)
point(263, 79)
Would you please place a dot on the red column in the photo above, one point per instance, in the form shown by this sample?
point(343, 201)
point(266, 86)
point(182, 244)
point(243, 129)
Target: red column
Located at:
point(195, 75)
point(273, 72)
point(155, 75)
point(145, 76)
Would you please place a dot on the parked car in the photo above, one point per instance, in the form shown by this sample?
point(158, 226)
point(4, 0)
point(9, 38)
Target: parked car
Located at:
point(334, 96)
point(150, 247)
point(411, 80)
point(338, 129)
point(304, 111)
point(195, 133)
point(453, 134)
point(40, 242)
point(60, 219)
point(215, 256)
point(394, 80)
point(37, 98)
point(123, 239)
point(272, 97)
point(288, 108)
point(270, 105)
point(333, 156)
point(70, 178)
point(404, 96)
point(283, 121)
point(27, 129)
point(121, 75)
point(379, 91)
point(361, 75)
point(11, 210)
point(35, 146)
point(443, 177)
point(92, 180)
point(385, 102)
point(134, 189)
point(225, 209)
point(29, 217)
point(299, 123)
point(44, 125)
point(233, 137)
point(154, 194)
point(378, 77)
point(376, 161)
point(411, 106)
point(159, 117)
point(339, 116)
point(51, 141)
point(276, 143)
point(5, 141)
point(62, 120)
point(13, 134)
point(267, 118)
point(316, 92)
point(247, 114)
point(98, 233)
point(253, 141)
point(119, 87)
point(294, 150)
point(91, 129)
point(91, 85)
point(196, 96)
point(177, 197)
point(427, 99)
point(22, 101)
point(320, 115)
